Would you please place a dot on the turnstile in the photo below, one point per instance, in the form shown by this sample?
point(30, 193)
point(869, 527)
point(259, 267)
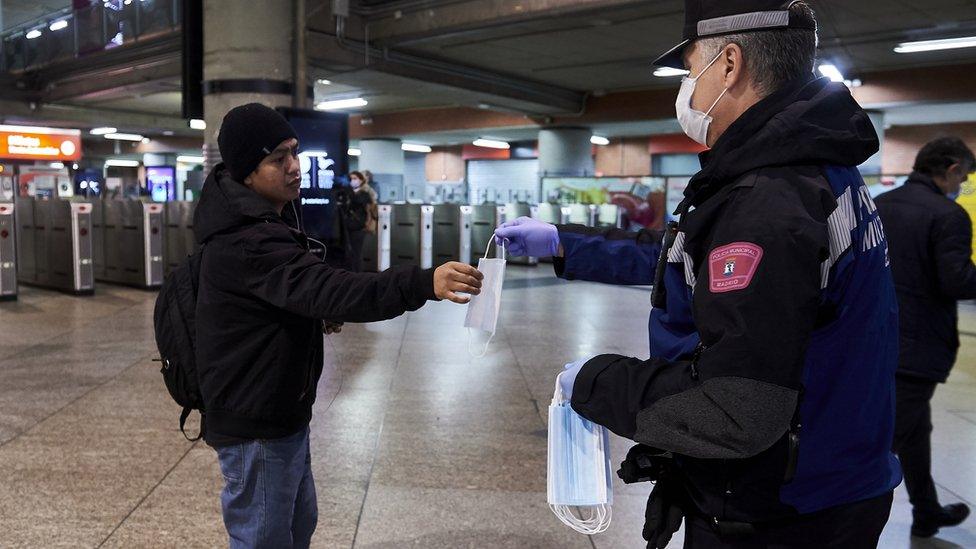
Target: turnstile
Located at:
point(447, 233)
point(179, 239)
point(8, 251)
point(426, 237)
point(610, 216)
point(515, 210)
point(376, 250)
point(483, 221)
point(553, 213)
point(54, 244)
point(405, 235)
point(130, 241)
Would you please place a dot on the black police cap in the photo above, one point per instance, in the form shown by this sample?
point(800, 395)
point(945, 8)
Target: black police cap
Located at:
point(705, 18)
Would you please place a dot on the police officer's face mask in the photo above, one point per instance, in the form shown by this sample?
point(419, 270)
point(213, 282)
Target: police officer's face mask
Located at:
point(695, 123)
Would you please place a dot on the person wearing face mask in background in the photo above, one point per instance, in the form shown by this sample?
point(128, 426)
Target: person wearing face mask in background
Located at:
point(360, 218)
point(930, 244)
point(765, 413)
point(259, 341)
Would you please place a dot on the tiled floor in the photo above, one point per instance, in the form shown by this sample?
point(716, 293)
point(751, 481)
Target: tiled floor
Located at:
point(414, 443)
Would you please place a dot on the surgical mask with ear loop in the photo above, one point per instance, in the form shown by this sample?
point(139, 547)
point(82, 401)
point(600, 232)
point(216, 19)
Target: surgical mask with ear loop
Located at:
point(695, 123)
point(483, 309)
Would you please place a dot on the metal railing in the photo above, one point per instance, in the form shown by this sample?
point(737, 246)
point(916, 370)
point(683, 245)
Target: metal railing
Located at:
point(102, 26)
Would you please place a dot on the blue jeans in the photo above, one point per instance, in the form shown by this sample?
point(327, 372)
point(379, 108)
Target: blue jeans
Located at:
point(269, 495)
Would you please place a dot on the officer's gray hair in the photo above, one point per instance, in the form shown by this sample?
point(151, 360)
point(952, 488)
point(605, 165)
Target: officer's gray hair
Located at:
point(772, 57)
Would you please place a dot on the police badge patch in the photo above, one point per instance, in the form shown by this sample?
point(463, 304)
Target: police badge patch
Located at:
point(731, 267)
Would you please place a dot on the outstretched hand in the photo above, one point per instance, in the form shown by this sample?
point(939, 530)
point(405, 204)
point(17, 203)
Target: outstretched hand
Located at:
point(528, 237)
point(451, 278)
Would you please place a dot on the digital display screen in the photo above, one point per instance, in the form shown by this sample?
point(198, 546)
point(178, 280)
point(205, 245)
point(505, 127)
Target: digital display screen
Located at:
point(161, 183)
point(323, 139)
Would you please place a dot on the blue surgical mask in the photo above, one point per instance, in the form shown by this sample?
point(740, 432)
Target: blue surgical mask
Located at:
point(953, 196)
point(579, 472)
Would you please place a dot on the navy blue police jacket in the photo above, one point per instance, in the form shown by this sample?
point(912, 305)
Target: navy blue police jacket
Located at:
point(774, 339)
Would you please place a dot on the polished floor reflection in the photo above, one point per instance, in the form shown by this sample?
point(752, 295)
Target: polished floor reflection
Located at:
point(414, 443)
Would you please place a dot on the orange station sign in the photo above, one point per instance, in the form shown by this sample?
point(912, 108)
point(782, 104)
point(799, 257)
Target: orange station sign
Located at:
point(36, 143)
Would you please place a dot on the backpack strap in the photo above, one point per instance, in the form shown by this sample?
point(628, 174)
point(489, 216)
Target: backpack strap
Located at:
point(185, 414)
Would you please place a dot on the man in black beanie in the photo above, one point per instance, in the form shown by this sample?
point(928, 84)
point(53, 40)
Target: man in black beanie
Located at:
point(261, 300)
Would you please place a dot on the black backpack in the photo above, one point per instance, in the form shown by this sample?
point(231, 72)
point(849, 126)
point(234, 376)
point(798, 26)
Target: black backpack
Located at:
point(174, 321)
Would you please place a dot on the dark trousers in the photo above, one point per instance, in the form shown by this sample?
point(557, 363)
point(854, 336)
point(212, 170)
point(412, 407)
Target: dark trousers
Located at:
point(851, 526)
point(913, 432)
point(355, 260)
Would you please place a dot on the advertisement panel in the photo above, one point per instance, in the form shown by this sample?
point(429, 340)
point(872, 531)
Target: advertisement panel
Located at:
point(36, 143)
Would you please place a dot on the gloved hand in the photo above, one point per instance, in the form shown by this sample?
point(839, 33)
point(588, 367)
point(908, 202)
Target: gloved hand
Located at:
point(663, 516)
point(567, 378)
point(528, 237)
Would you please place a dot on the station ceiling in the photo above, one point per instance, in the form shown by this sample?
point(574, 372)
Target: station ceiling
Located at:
point(565, 49)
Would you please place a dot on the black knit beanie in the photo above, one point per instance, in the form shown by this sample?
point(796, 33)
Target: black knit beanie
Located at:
point(248, 134)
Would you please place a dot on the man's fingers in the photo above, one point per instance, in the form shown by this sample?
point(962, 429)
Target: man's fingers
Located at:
point(451, 296)
point(466, 279)
point(465, 289)
point(466, 269)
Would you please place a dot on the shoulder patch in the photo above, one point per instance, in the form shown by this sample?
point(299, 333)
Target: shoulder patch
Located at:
point(732, 266)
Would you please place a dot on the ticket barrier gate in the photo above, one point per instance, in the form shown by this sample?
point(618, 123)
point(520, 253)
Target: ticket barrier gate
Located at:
point(376, 250)
point(54, 244)
point(552, 213)
point(484, 219)
point(8, 251)
point(129, 236)
point(515, 210)
point(610, 216)
point(405, 234)
point(447, 233)
point(179, 239)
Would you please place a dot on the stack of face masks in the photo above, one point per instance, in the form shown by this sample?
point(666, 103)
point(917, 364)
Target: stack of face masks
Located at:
point(483, 308)
point(579, 473)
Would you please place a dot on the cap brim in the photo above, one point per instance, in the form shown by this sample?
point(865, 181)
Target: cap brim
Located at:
point(674, 57)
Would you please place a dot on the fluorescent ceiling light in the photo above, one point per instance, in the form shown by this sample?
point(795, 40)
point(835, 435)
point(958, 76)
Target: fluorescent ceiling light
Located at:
point(33, 33)
point(145, 140)
point(412, 147)
point(314, 153)
point(124, 136)
point(198, 124)
point(58, 25)
point(599, 140)
point(189, 159)
point(324, 81)
point(354, 152)
point(935, 45)
point(831, 72)
point(337, 104)
point(667, 72)
point(57, 165)
point(121, 163)
point(37, 129)
point(103, 131)
point(491, 144)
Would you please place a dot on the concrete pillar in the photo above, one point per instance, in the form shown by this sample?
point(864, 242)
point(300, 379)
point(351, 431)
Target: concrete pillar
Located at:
point(565, 152)
point(873, 165)
point(247, 57)
point(384, 158)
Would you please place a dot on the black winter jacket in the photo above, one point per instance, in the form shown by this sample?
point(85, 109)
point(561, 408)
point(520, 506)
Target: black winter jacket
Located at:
point(261, 299)
point(930, 244)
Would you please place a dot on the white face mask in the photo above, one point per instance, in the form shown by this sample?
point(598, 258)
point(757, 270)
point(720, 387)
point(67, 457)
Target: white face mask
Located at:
point(695, 123)
point(356, 183)
point(483, 308)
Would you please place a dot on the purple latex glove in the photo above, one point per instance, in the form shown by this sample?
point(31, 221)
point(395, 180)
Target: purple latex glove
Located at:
point(567, 378)
point(528, 237)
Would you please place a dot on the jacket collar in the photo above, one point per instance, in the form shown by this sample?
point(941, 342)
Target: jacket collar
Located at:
point(917, 178)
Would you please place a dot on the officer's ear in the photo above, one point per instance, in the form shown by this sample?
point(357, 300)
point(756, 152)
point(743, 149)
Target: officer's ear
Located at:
point(733, 65)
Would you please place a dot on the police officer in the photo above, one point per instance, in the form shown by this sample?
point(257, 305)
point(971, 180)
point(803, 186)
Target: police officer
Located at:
point(765, 413)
